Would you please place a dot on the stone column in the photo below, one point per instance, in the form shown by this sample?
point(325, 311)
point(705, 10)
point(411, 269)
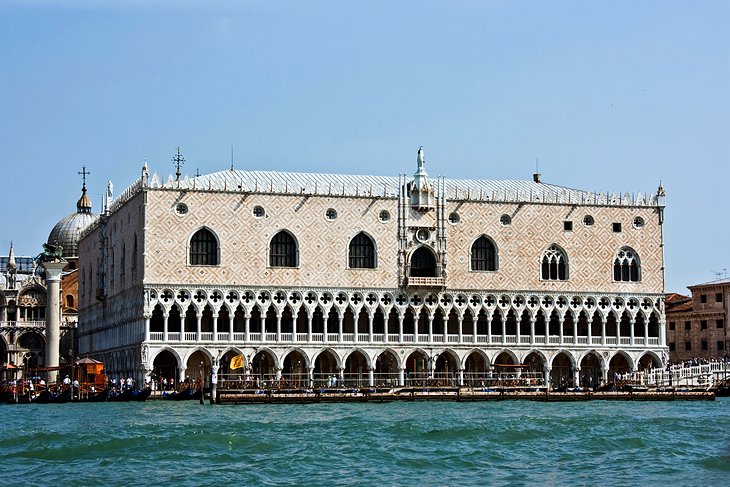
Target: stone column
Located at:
point(371, 377)
point(561, 322)
point(504, 329)
point(53, 316)
point(401, 377)
point(263, 327)
point(278, 373)
point(246, 328)
point(604, 374)
point(181, 374)
point(311, 376)
point(146, 328)
point(662, 332)
point(646, 333)
point(461, 377)
point(400, 328)
point(198, 326)
point(165, 320)
point(294, 327)
point(386, 317)
point(532, 330)
point(213, 382)
point(576, 377)
point(215, 327)
point(340, 329)
point(603, 331)
point(546, 376)
point(590, 332)
point(461, 331)
point(278, 330)
point(430, 328)
point(309, 326)
point(231, 319)
point(370, 327)
point(575, 329)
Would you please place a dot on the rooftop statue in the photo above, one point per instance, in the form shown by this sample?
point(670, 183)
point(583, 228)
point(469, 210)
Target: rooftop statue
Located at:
point(421, 157)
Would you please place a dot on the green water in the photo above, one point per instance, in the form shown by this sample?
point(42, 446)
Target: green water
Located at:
point(495, 443)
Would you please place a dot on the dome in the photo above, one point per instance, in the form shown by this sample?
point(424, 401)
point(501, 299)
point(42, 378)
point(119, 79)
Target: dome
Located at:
point(67, 231)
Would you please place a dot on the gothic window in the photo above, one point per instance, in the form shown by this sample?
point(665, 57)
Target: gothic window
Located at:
point(123, 260)
point(626, 266)
point(554, 264)
point(362, 252)
point(134, 253)
point(203, 248)
point(283, 250)
point(423, 263)
point(483, 255)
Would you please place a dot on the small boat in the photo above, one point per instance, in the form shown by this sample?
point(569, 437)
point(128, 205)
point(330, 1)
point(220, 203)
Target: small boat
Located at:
point(100, 396)
point(140, 396)
point(43, 397)
point(60, 398)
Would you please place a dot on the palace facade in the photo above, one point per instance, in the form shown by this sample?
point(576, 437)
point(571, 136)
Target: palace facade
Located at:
point(374, 279)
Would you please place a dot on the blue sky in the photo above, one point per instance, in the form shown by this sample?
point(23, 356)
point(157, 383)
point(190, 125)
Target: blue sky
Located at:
point(607, 97)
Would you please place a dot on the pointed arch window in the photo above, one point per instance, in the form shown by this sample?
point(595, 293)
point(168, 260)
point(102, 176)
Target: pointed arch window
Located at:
point(483, 255)
point(423, 263)
point(361, 254)
point(203, 248)
point(626, 266)
point(554, 264)
point(283, 250)
point(134, 253)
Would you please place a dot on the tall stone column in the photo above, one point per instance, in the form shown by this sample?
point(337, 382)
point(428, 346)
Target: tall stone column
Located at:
point(53, 316)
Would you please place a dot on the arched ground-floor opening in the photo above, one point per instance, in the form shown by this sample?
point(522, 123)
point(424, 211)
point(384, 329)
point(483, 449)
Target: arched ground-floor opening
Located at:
point(232, 370)
point(617, 367)
point(386, 369)
point(417, 368)
point(326, 373)
point(356, 369)
point(476, 370)
point(533, 370)
point(295, 372)
point(198, 369)
point(263, 367)
point(590, 370)
point(648, 361)
point(446, 369)
point(506, 368)
point(166, 370)
point(561, 373)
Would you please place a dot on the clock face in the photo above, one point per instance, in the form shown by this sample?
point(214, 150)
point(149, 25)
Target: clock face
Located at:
point(422, 235)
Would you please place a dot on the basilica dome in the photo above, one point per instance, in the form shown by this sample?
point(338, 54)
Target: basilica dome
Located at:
point(67, 231)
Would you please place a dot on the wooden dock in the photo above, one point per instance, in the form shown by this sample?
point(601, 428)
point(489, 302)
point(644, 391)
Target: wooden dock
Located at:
point(303, 396)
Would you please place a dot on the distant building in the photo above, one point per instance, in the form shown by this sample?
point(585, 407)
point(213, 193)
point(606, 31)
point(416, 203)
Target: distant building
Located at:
point(24, 300)
point(698, 325)
point(379, 279)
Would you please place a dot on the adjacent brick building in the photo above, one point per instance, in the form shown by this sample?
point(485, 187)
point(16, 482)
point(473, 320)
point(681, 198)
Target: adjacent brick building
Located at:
point(697, 326)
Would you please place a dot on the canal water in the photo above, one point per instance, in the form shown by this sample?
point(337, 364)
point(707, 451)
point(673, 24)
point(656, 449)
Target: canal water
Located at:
point(428, 443)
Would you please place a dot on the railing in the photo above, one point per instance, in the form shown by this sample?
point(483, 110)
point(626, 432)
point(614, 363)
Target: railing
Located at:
point(24, 324)
point(426, 281)
point(407, 338)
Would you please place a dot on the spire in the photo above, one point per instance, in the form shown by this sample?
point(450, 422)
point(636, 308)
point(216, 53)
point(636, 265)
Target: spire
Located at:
point(11, 259)
point(84, 203)
point(422, 195)
point(178, 159)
